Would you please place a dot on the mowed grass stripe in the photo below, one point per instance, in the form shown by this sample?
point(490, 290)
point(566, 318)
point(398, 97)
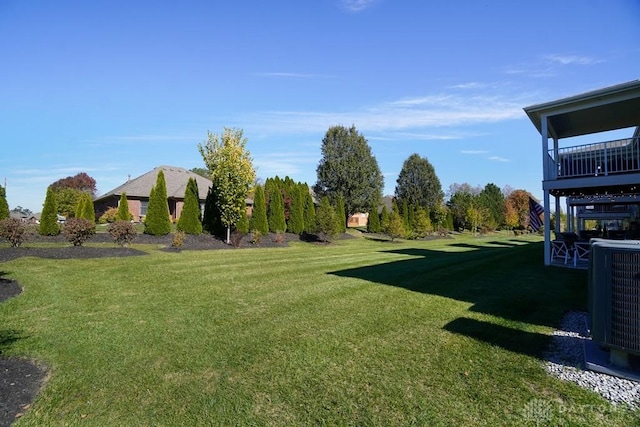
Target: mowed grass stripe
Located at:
point(354, 333)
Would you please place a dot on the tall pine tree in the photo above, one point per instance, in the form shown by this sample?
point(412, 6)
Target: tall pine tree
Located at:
point(49, 217)
point(189, 220)
point(211, 222)
point(259, 214)
point(275, 213)
point(123, 213)
point(4, 206)
point(157, 221)
point(373, 222)
point(296, 211)
point(309, 212)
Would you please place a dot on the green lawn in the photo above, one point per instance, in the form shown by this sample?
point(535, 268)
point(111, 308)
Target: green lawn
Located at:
point(360, 332)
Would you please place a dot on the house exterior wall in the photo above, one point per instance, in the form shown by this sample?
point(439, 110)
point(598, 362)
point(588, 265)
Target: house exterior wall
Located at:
point(358, 220)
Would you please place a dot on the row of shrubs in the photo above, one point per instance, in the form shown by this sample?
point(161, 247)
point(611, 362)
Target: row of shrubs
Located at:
point(76, 230)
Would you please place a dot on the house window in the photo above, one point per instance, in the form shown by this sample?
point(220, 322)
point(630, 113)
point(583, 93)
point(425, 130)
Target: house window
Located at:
point(143, 207)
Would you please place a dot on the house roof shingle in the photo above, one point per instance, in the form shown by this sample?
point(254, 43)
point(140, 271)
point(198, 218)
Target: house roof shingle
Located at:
point(176, 180)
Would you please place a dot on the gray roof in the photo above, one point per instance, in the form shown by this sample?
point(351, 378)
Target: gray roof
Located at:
point(609, 108)
point(176, 179)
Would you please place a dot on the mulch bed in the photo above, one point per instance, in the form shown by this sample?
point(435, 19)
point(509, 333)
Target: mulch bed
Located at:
point(20, 380)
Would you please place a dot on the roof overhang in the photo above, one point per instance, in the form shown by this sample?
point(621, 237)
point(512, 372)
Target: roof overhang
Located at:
point(610, 108)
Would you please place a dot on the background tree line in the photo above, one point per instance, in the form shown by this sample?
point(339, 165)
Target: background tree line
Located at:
point(349, 181)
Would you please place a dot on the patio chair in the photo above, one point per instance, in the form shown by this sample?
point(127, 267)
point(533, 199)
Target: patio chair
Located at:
point(581, 252)
point(560, 249)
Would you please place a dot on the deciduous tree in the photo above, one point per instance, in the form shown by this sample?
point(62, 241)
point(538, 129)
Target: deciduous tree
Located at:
point(519, 200)
point(348, 168)
point(81, 182)
point(231, 171)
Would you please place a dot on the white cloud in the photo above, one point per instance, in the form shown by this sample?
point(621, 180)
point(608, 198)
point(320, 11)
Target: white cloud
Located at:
point(125, 139)
point(572, 59)
point(357, 5)
point(498, 159)
point(474, 152)
point(436, 111)
point(284, 163)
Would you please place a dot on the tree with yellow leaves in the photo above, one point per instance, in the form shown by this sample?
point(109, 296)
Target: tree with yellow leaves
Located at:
point(231, 171)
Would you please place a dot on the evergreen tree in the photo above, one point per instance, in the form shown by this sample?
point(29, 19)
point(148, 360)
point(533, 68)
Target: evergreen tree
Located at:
point(275, 213)
point(123, 213)
point(418, 183)
point(422, 224)
point(296, 212)
point(4, 206)
point(384, 219)
point(341, 215)
point(211, 222)
point(405, 213)
point(49, 218)
point(309, 212)
point(242, 226)
point(348, 168)
point(411, 218)
point(373, 223)
point(395, 227)
point(259, 215)
point(85, 209)
point(157, 221)
point(326, 224)
point(189, 220)
point(493, 201)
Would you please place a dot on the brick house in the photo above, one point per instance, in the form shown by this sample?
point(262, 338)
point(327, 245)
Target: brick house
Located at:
point(138, 190)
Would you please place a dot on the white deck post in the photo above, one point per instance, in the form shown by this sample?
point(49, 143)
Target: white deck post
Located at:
point(547, 220)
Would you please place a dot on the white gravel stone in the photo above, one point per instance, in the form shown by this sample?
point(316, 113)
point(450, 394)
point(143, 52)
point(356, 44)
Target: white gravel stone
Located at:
point(565, 360)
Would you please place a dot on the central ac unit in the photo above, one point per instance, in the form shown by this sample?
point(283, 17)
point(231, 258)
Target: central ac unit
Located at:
point(614, 295)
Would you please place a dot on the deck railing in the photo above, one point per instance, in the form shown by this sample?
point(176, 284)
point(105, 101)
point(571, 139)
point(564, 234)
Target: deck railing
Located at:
point(597, 159)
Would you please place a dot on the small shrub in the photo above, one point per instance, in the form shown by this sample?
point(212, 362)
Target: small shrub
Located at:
point(109, 217)
point(278, 238)
point(178, 239)
point(256, 236)
point(14, 230)
point(236, 238)
point(78, 230)
point(122, 232)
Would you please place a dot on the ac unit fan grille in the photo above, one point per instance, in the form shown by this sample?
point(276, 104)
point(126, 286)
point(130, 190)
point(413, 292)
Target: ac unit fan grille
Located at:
point(625, 300)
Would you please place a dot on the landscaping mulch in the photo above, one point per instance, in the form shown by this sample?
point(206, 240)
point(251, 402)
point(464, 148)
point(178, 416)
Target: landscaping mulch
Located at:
point(20, 380)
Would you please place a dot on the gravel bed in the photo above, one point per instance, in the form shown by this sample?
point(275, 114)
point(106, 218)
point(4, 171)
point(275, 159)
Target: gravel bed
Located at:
point(565, 360)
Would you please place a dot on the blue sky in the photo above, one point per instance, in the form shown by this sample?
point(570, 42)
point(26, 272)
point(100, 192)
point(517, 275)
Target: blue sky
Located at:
point(117, 88)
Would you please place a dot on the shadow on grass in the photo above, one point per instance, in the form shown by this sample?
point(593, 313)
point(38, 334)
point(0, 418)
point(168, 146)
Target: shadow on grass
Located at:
point(511, 339)
point(502, 279)
point(7, 338)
